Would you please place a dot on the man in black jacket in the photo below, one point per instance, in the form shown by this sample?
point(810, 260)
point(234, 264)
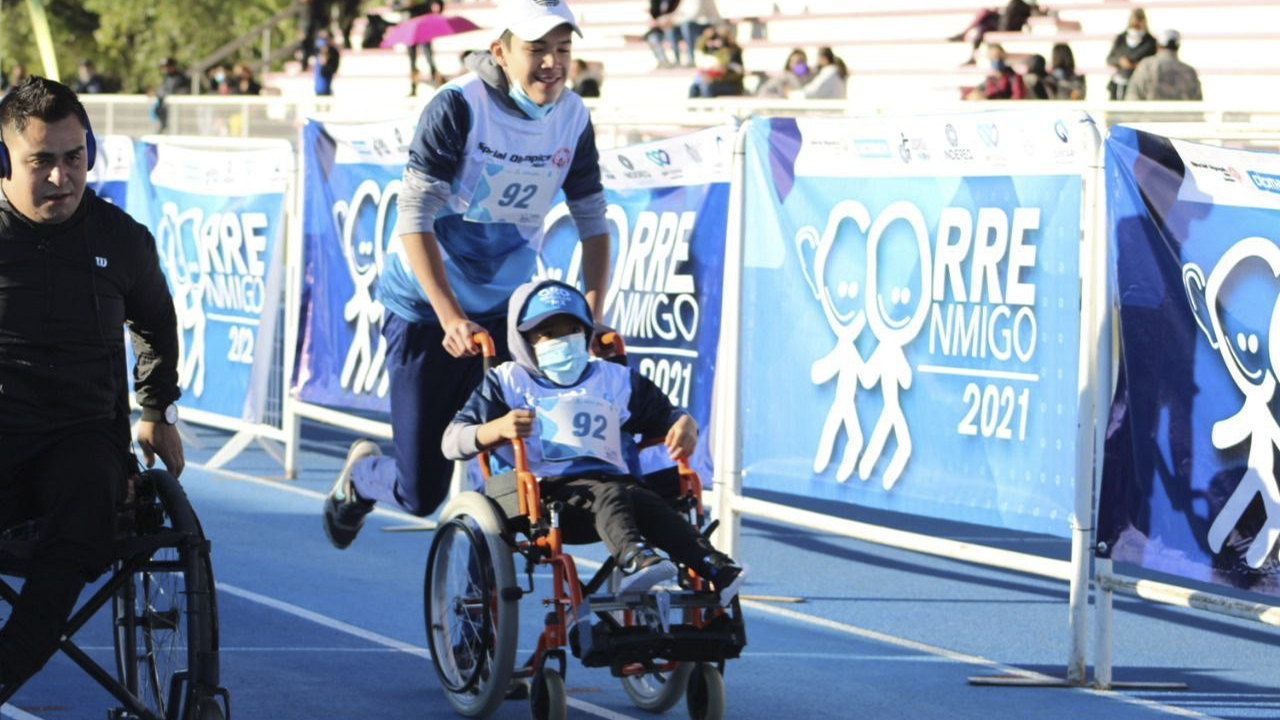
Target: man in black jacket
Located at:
point(73, 270)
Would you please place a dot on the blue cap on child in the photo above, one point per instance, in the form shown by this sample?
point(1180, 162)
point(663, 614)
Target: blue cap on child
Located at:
point(555, 298)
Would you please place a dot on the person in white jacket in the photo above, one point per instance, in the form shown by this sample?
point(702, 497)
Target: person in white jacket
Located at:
point(830, 82)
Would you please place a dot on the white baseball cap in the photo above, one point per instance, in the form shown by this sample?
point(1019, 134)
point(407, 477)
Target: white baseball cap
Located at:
point(530, 20)
point(1170, 37)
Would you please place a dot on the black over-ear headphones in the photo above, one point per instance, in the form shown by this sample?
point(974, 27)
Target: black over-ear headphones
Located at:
point(90, 148)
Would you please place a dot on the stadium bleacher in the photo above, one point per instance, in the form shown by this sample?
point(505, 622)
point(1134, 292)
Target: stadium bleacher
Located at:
point(897, 56)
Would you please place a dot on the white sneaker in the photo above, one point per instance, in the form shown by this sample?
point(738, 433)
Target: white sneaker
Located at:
point(647, 577)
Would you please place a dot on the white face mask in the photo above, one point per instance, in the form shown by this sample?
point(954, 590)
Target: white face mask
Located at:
point(1133, 37)
point(563, 359)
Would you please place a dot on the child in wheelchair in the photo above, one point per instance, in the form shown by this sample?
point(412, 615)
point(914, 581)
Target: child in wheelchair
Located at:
point(578, 417)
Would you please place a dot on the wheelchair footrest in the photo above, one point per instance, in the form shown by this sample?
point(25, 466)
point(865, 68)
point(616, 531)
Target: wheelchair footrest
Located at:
point(614, 646)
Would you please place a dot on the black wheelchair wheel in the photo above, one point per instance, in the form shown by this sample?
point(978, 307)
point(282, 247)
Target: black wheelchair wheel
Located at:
point(471, 615)
point(165, 617)
point(705, 694)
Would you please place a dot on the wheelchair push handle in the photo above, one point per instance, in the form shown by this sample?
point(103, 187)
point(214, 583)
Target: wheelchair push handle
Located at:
point(613, 344)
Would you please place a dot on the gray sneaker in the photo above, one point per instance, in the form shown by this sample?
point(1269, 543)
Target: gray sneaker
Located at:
point(344, 511)
point(645, 571)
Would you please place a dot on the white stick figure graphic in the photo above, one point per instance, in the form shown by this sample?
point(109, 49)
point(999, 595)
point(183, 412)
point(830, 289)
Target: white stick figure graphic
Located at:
point(362, 368)
point(843, 362)
point(1254, 423)
point(188, 294)
point(894, 328)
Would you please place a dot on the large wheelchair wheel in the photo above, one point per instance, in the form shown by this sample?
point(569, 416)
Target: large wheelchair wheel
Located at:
point(166, 628)
point(471, 609)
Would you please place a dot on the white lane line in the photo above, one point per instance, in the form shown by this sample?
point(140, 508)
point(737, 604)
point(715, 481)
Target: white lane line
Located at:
point(324, 620)
point(378, 639)
point(792, 615)
point(307, 492)
point(8, 710)
point(963, 657)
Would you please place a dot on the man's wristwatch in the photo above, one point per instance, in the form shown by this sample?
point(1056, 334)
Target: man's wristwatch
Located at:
point(171, 414)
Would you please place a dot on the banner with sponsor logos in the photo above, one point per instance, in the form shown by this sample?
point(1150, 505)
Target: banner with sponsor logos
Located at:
point(217, 211)
point(1189, 484)
point(911, 313)
point(112, 168)
point(351, 181)
point(668, 207)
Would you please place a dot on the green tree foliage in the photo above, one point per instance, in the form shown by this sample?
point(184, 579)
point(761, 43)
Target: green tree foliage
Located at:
point(128, 39)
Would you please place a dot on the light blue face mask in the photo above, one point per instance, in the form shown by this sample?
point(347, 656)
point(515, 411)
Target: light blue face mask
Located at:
point(526, 103)
point(563, 359)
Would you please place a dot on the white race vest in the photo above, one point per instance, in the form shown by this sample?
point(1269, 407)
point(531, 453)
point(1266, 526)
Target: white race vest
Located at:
point(577, 427)
point(512, 167)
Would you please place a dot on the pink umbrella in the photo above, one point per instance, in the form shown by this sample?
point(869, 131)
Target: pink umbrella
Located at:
point(426, 28)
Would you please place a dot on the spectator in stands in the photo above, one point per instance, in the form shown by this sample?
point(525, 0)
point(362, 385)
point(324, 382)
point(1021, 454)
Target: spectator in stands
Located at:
point(17, 75)
point(830, 79)
point(242, 81)
point(418, 10)
point(1163, 76)
point(659, 27)
point(1003, 82)
point(689, 21)
point(1129, 48)
point(720, 69)
point(318, 15)
point(87, 79)
point(1012, 19)
point(583, 80)
point(794, 76)
point(172, 82)
point(1036, 78)
point(348, 11)
point(1063, 82)
point(219, 82)
point(326, 63)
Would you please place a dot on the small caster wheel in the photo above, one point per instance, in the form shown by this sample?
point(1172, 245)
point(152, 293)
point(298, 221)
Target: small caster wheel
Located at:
point(705, 694)
point(548, 699)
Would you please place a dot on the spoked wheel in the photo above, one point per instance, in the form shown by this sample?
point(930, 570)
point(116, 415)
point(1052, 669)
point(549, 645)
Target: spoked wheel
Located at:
point(471, 622)
point(659, 691)
point(548, 699)
point(165, 617)
point(705, 694)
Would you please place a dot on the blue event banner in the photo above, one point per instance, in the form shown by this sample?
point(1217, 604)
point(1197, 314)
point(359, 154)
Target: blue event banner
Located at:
point(217, 214)
point(1189, 484)
point(351, 182)
point(910, 343)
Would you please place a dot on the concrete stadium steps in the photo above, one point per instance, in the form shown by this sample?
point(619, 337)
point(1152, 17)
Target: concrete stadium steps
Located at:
point(893, 52)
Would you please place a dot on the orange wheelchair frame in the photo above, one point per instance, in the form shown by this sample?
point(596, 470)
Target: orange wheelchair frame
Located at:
point(657, 662)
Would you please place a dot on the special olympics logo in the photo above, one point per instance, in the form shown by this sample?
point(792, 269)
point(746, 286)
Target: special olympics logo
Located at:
point(1060, 130)
point(561, 157)
point(952, 136)
point(625, 162)
point(556, 297)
